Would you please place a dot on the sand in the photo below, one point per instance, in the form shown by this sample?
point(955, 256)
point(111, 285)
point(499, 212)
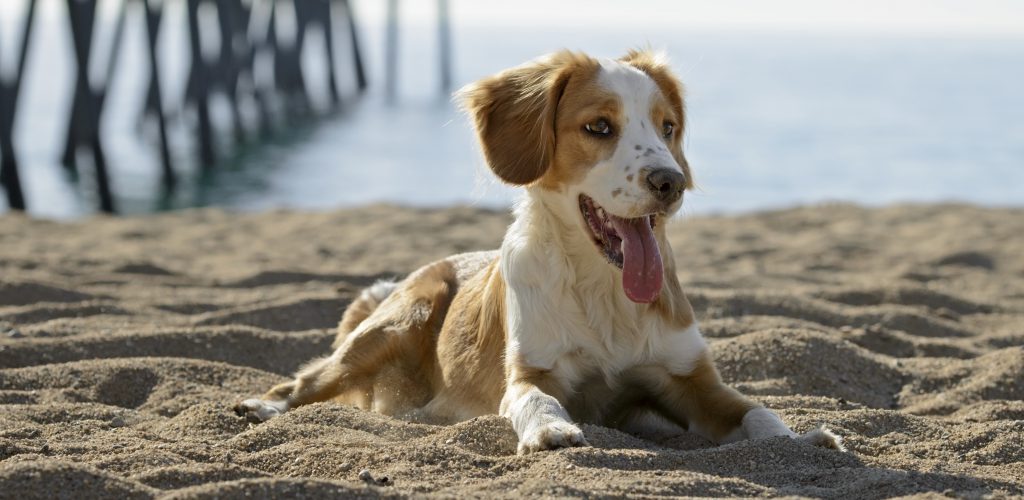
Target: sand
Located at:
point(124, 342)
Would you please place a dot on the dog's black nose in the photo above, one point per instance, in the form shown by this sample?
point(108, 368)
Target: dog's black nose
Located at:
point(666, 185)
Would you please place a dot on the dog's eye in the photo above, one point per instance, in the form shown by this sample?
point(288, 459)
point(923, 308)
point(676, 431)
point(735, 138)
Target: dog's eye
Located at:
point(666, 129)
point(599, 127)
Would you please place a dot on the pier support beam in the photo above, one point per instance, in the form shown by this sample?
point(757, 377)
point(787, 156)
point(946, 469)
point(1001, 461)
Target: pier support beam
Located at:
point(87, 107)
point(155, 95)
point(9, 91)
point(258, 70)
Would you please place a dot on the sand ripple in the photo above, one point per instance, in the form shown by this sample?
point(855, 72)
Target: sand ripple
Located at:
point(124, 343)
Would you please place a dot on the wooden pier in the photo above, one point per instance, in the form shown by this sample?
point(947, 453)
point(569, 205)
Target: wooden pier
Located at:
point(248, 33)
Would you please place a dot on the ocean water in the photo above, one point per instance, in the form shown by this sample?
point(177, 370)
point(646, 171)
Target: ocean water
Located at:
point(775, 119)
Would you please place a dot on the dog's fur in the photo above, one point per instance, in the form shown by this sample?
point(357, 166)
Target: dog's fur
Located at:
point(548, 332)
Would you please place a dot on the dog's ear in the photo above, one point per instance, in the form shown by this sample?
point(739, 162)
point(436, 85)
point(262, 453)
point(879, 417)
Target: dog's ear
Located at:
point(514, 115)
point(656, 66)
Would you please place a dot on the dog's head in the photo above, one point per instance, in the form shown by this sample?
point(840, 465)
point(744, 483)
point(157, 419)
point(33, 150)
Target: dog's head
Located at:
point(605, 134)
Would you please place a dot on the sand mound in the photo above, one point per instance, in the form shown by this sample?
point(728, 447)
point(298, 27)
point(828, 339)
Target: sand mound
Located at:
point(124, 343)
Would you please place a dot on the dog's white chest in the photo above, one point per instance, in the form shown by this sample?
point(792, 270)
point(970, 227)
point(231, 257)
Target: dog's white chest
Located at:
point(611, 351)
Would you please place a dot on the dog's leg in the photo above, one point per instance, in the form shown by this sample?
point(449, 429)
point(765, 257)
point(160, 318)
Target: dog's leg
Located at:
point(705, 405)
point(700, 401)
point(360, 309)
point(405, 319)
point(761, 422)
point(351, 367)
point(531, 402)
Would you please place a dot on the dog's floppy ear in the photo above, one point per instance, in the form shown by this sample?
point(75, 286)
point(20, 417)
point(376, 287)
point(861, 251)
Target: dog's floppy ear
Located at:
point(656, 66)
point(514, 115)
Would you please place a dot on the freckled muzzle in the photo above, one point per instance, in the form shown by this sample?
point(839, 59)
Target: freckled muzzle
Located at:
point(628, 244)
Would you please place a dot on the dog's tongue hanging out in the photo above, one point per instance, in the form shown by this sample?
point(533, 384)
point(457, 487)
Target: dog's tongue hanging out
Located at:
point(641, 260)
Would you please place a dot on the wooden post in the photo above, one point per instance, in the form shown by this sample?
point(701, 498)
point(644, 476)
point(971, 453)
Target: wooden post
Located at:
point(201, 86)
point(288, 77)
point(84, 127)
point(152, 33)
point(99, 158)
point(332, 73)
point(153, 17)
point(82, 17)
point(357, 58)
point(227, 70)
point(9, 92)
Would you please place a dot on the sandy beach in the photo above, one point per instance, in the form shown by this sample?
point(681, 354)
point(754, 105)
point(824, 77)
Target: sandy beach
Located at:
point(124, 343)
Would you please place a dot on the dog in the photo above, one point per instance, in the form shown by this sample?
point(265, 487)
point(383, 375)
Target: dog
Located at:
point(580, 316)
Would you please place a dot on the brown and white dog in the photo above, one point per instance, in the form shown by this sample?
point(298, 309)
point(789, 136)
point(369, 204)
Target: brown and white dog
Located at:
point(580, 316)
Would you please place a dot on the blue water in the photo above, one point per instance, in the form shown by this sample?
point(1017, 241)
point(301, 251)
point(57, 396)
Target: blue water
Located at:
point(774, 120)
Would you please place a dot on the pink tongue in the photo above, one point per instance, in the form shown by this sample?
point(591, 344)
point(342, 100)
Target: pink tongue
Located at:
point(641, 262)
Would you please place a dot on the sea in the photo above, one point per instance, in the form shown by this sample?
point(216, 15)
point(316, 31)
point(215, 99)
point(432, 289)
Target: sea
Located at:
point(776, 118)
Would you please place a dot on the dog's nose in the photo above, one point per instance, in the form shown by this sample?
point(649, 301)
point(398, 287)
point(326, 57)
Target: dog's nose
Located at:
point(666, 185)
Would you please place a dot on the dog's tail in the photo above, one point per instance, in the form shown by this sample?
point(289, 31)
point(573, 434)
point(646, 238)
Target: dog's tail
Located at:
point(361, 308)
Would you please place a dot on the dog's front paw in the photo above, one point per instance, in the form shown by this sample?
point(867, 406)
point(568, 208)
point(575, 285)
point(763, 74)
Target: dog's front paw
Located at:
point(824, 438)
point(551, 436)
point(260, 410)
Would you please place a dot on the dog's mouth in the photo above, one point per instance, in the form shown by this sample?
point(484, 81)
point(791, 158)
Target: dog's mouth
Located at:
point(628, 244)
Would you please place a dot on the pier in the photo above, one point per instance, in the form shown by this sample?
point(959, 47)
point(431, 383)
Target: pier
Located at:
point(247, 53)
